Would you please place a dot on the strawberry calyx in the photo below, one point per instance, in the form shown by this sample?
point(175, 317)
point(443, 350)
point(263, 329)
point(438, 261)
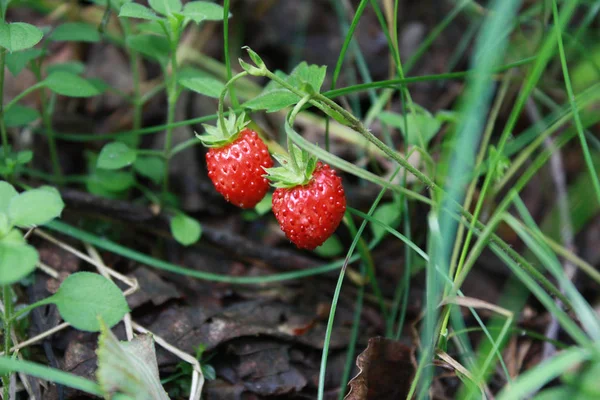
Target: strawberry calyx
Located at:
point(223, 133)
point(296, 168)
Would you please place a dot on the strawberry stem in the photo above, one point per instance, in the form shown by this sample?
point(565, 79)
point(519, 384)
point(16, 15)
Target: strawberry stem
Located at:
point(222, 98)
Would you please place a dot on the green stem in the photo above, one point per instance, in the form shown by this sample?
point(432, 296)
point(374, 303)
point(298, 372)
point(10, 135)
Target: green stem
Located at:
point(46, 119)
point(234, 100)
point(25, 310)
point(2, 124)
point(172, 96)
point(15, 100)
point(7, 299)
point(134, 60)
point(227, 88)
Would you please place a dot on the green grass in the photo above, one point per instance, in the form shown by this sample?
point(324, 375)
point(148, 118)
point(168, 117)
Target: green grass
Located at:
point(458, 183)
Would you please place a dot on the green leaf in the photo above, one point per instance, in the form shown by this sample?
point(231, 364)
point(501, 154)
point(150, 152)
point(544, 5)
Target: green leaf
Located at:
point(84, 297)
point(185, 230)
point(7, 193)
point(152, 168)
point(155, 47)
point(313, 75)
point(135, 10)
point(165, 7)
point(204, 85)
point(264, 206)
point(75, 32)
point(23, 157)
point(274, 97)
point(152, 27)
point(73, 67)
point(19, 36)
point(17, 258)
point(68, 84)
point(19, 60)
point(4, 225)
point(424, 123)
point(128, 368)
point(35, 207)
point(203, 11)
point(103, 181)
point(562, 393)
point(115, 155)
point(389, 214)
point(331, 248)
point(19, 115)
point(272, 101)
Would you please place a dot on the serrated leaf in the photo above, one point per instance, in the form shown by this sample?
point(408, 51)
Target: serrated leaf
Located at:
point(304, 73)
point(73, 67)
point(424, 123)
point(135, 10)
point(272, 101)
point(17, 259)
point(84, 297)
point(128, 368)
point(75, 32)
point(115, 155)
point(185, 230)
point(18, 60)
point(19, 36)
point(389, 214)
point(7, 193)
point(203, 11)
point(68, 84)
point(35, 207)
point(155, 47)
point(152, 168)
point(19, 115)
point(204, 85)
point(165, 7)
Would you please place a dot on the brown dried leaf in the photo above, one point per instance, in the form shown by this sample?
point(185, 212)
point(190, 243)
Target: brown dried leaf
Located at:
point(386, 371)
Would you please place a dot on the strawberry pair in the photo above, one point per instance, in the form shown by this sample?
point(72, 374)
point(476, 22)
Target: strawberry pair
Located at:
point(309, 200)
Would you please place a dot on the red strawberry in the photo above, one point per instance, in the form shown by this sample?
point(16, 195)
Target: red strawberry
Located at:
point(235, 162)
point(309, 202)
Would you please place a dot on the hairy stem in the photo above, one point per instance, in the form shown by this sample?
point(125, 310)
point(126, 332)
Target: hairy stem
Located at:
point(2, 125)
point(172, 96)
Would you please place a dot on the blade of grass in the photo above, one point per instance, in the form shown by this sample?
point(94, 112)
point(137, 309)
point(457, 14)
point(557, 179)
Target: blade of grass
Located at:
point(537, 377)
point(561, 51)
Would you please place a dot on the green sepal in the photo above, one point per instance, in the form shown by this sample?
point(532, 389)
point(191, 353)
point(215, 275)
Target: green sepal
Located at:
point(216, 136)
point(296, 168)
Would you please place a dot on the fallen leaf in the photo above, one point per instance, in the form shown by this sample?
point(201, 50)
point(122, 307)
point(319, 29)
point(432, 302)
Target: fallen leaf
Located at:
point(386, 371)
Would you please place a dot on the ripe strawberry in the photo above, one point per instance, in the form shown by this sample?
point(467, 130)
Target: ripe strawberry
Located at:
point(309, 202)
point(235, 162)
